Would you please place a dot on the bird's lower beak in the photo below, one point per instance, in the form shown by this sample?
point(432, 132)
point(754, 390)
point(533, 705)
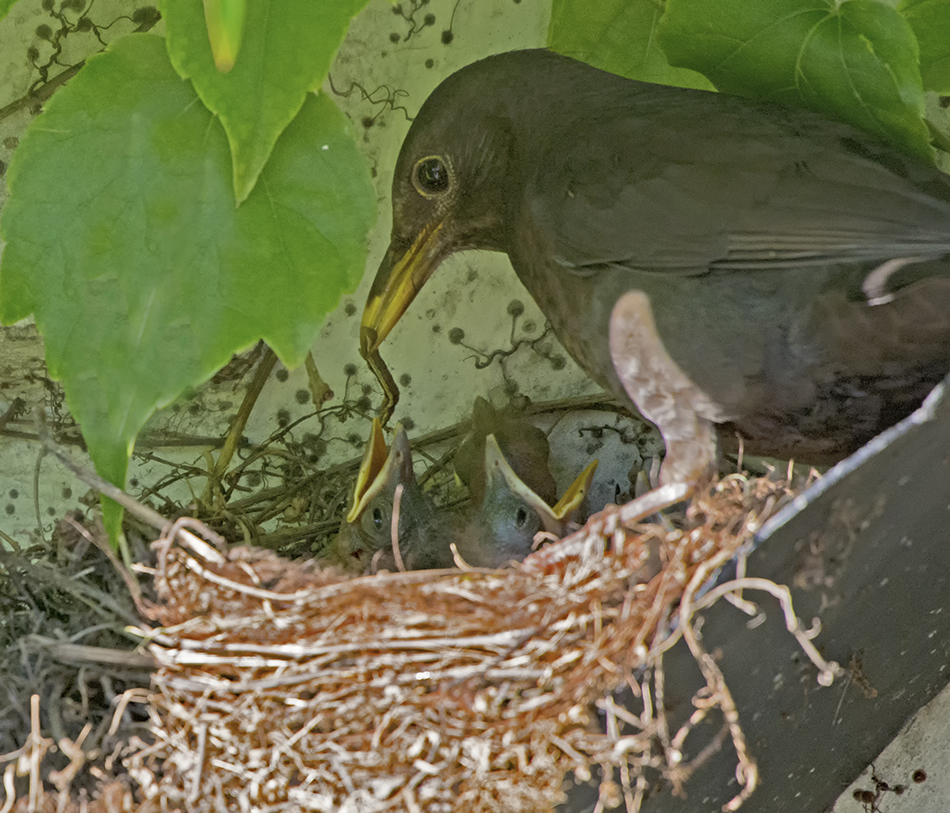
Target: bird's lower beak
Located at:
point(573, 499)
point(381, 468)
point(401, 275)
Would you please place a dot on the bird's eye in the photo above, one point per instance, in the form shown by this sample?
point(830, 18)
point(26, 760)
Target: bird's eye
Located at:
point(431, 176)
point(521, 518)
point(378, 518)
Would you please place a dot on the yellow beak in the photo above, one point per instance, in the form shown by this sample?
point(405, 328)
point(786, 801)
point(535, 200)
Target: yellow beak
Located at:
point(400, 277)
point(374, 458)
point(380, 468)
point(573, 498)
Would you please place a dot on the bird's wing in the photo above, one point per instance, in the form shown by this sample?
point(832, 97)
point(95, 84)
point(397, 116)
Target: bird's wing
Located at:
point(730, 185)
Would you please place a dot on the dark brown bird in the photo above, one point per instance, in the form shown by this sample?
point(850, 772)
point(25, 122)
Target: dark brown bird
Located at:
point(720, 262)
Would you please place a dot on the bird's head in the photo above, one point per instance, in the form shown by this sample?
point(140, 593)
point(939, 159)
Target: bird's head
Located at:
point(367, 527)
point(462, 172)
point(511, 514)
point(456, 185)
point(524, 445)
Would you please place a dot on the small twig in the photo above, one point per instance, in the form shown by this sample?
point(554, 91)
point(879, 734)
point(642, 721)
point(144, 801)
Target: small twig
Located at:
point(82, 653)
point(15, 408)
point(47, 89)
point(568, 749)
point(747, 771)
point(606, 523)
point(236, 432)
point(138, 695)
point(195, 790)
point(662, 723)
point(36, 492)
point(93, 480)
point(14, 545)
point(130, 581)
point(42, 93)
point(9, 786)
point(38, 746)
point(77, 758)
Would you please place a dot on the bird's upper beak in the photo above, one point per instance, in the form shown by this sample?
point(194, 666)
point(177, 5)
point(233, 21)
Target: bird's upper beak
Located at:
point(401, 275)
point(499, 474)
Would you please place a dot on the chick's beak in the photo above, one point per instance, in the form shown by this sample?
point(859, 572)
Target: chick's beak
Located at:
point(401, 275)
point(499, 474)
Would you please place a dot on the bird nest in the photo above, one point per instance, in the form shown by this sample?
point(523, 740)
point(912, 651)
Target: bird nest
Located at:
point(286, 687)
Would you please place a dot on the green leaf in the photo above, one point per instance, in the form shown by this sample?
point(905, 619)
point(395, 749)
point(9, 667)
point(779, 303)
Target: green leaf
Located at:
point(123, 237)
point(856, 61)
point(5, 6)
point(930, 20)
point(617, 36)
point(286, 51)
point(225, 22)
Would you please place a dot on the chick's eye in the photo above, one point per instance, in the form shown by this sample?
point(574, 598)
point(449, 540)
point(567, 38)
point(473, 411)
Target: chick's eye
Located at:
point(431, 176)
point(378, 522)
point(521, 518)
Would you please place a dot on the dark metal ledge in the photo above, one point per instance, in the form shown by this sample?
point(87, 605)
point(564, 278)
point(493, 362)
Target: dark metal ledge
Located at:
point(867, 551)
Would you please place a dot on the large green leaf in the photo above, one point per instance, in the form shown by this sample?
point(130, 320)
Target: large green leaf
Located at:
point(123, 237)
point(286, 51)
point(930, 20)
point(617, 36)
point(5, 6)
point(855, 60)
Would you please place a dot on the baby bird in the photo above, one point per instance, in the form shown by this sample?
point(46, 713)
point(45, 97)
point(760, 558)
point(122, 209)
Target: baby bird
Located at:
point(524, 446)
point(511, 494)
point(364, 542)
point(504, 461)
point(503, 527)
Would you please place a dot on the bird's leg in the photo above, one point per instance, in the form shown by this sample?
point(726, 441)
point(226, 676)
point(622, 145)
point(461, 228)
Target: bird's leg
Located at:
point(663, 392)
point(690, 452)
point(666, 396)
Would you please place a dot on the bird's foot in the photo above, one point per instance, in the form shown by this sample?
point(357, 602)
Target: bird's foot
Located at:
point(604, 524)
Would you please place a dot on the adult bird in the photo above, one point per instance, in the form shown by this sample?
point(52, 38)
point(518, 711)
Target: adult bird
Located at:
point(722, 263)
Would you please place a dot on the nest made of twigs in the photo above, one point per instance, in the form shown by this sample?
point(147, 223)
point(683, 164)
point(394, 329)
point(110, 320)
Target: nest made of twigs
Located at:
point(288, 687)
